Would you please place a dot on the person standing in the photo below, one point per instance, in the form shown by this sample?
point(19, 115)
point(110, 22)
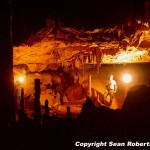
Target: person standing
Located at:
point(111, 88)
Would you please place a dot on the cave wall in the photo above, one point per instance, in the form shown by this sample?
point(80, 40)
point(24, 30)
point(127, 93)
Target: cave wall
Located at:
point(74, 50)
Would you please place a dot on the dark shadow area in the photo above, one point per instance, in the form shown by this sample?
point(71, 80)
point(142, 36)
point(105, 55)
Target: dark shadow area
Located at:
point(30, 16)
point(131, 123)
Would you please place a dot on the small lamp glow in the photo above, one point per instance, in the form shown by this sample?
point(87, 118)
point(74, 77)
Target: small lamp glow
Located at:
point(127, 78)
point(21, 79)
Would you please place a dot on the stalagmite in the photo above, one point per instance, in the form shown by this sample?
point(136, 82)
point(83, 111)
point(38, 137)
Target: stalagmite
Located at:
point(46, 108)
point(83, 69)
point(22, 100)
point(37, 106)
point(95, 93)
point(98, 98)
point(89, 85)
point(86, 61)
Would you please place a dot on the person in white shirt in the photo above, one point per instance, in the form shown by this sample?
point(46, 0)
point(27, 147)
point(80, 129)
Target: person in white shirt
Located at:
point(111, 88)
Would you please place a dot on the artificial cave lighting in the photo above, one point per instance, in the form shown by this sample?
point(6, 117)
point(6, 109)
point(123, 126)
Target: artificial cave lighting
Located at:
point(127, 78)
point(21, 79)
point(79, 53)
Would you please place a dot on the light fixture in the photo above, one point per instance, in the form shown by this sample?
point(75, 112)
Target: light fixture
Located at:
point(21, 79)
point(127, 78)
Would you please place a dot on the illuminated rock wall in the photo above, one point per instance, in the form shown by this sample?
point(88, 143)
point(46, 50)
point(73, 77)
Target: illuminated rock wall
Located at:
point(67, 47)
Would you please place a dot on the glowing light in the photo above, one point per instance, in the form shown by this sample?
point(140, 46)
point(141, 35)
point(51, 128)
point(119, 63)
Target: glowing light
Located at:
point(127, 78)
point(21, 79)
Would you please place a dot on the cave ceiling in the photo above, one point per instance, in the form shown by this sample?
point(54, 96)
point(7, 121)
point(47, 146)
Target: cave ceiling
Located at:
point(127, 43)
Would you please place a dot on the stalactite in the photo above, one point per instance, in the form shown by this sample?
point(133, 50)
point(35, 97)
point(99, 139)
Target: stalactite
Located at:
point(93, 55)
point(90, 57)
point(77, 62)
point(75, 70)
point(94, 59)
point(82, 65)
point(98, 58)
point(86, 60)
